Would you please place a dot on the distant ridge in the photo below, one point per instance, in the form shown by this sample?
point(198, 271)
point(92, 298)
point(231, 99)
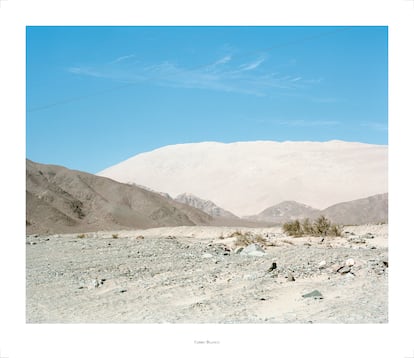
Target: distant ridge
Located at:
point(285, 211)
point(205, 205)
point(247, 177)
point(60, 200)
point(370, 210)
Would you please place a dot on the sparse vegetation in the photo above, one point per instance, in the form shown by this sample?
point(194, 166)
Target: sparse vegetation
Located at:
point(236, 234)
point(81, 236)
point(247, 238)
point(319, 227)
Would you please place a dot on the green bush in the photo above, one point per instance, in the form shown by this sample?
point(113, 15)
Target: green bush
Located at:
point(319, 227)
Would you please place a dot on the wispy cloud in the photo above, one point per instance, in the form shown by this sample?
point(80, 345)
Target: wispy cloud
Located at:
point(253, 65)
point(300, 122)
point(224, 74)
point(223, 60)
point(122, 58)
point(308, 123)
point(376, 126)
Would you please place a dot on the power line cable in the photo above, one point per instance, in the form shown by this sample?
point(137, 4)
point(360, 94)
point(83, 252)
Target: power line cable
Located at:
point(249, 53)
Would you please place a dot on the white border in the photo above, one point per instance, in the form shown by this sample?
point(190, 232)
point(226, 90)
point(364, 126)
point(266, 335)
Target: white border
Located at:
point(18, 339)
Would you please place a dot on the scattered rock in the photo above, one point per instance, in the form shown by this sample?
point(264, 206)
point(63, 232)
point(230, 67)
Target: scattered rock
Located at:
point(290, 277)
point(336, 267)
point(122, 290)
point(322, 264)
point(314, 294)
point(94, 284)
point(272, 267)
point(357, 240)
point(253, 250)
point(345, 269)
point(139, 237)
point(238, 250)
point(350, 262)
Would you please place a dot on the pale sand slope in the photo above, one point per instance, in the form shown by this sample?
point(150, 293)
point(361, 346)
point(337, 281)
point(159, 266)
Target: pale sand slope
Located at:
point(195, 275)
point(248, 177)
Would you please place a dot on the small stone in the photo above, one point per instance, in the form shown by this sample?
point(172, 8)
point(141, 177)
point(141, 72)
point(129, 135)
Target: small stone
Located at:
point(273, 267)
point(207, 256)
point(94, 284)
point(350, 262)
point(122, 290)
point(355, 240)
point(344, 270)
point(322, 264)
point(336, 267)
point(315, 294)
point(290, 277)
point(253, 250)
point(238, 250)
point(139, 237)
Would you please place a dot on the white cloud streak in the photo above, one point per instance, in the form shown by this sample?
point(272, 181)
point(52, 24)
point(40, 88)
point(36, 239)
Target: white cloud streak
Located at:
point(122, 58)
point(248, 78)
point(301, 122)
point(376, 126)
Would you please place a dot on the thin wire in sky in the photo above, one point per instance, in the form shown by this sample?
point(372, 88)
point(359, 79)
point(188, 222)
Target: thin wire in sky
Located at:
point(242, 55)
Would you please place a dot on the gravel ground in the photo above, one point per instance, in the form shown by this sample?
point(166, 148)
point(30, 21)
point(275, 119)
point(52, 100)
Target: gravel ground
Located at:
point(198, 275)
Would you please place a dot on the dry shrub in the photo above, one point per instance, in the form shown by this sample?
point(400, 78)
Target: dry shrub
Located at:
point(248, 238)
point(319, 227)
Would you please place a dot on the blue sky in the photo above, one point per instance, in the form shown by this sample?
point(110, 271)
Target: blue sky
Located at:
point(99, 95)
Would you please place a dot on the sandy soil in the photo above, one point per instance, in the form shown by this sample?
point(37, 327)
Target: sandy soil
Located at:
point(198, 275)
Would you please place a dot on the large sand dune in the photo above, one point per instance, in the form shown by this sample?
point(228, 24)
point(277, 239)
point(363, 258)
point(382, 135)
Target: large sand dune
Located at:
point(248, 177)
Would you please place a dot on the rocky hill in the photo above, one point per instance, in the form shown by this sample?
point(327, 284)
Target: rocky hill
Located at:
point(60, 200)
point(286, 211)
point(371, 210)
point(205, 205)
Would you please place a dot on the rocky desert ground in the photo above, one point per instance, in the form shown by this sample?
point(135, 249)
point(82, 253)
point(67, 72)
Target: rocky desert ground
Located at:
point(196, 274)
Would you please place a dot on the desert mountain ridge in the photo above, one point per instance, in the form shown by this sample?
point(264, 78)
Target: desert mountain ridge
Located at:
point(61, 200)
point(370, 210)
point(245, 178)
point(205, 205)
